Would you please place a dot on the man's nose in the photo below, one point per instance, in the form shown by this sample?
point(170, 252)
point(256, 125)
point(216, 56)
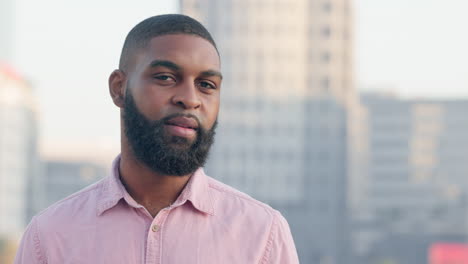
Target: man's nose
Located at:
point(187, 96)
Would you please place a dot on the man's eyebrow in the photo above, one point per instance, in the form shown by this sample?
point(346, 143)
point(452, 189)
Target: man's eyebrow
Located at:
point(210, 73)
point(165, 63)
point(175, 67)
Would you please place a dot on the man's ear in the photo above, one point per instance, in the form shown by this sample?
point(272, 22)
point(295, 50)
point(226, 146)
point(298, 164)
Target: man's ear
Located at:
point(117, 82)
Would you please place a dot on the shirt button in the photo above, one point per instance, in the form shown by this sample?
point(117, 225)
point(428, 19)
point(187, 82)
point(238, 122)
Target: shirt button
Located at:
point(155, 228)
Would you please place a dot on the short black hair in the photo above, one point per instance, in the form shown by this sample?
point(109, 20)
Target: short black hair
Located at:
point(169, 24)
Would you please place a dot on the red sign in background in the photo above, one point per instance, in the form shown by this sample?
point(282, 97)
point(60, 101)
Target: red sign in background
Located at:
point(448, 253)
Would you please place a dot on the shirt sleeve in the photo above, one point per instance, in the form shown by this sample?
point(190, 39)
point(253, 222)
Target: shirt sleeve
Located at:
point(280, 247)
point(29, 251)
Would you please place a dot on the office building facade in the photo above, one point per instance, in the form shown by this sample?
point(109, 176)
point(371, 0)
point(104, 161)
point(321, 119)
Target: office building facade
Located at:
point(417, 167)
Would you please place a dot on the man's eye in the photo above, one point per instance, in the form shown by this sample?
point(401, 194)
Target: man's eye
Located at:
point(163, 77)
point(207, 85)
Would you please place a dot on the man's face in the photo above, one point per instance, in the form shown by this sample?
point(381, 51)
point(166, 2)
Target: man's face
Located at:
point(171, 103)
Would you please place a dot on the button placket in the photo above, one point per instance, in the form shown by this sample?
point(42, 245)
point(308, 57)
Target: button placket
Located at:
point(154, 240)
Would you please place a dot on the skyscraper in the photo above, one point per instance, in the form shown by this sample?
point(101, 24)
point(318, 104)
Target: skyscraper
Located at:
point(418, 164)
point(287, 102)
point(19, 166)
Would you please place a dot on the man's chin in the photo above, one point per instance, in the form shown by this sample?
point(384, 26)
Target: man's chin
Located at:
point(180, 142)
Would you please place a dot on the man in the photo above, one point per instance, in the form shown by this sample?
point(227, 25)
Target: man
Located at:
point(158, 206)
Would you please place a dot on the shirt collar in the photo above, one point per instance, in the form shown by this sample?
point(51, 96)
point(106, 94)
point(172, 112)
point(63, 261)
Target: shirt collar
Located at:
point(197, 191)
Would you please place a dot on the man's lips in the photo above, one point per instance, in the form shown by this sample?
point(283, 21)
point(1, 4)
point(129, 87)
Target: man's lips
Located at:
point(182, 121)
point(182, 126)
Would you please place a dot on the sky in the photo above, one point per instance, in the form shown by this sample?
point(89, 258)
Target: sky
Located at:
point(67, 49)
point(418, 48)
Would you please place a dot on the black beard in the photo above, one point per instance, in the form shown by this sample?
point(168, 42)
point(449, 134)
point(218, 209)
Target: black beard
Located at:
point(162, 153)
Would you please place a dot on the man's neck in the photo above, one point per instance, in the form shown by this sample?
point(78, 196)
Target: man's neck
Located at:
point(152, 190)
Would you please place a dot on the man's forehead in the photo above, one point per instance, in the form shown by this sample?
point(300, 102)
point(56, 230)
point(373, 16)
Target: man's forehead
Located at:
point(176, 42)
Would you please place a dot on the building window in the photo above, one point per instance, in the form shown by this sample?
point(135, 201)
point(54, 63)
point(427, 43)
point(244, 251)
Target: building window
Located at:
point(325, 57)
point(325, 84)
point(326, 7)
point(325, 31)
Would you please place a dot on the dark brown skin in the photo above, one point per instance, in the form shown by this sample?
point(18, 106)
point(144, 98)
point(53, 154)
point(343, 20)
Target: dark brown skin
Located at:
point(191, 88)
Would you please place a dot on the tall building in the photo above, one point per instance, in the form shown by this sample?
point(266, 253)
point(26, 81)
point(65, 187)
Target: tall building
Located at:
point(19, 166)
point(418, 165)
point(287, 105)
point(63, 178)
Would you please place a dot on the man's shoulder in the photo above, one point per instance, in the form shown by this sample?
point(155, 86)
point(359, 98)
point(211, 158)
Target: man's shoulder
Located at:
point(228, 198)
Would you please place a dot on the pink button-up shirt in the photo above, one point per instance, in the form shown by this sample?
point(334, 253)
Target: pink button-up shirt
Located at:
point(209, 222)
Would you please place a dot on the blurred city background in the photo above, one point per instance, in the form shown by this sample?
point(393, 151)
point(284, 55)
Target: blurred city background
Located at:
point(350, 117)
